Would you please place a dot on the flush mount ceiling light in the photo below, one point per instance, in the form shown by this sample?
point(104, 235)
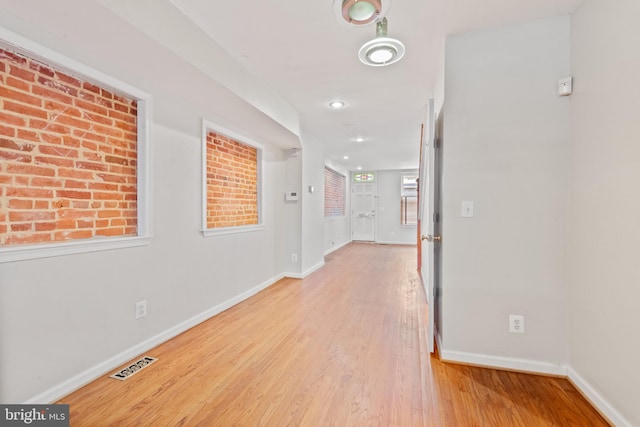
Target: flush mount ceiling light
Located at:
point(360, 12)
point(336, 105)
point(359, 139)
point(382, 50)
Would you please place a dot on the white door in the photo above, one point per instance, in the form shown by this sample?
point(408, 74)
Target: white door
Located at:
point(363, 200)
point(429, 206)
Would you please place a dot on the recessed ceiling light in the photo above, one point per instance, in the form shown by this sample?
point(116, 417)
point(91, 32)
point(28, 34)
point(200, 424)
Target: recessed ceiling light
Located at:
point(336, 105)
point(382, 50)
point(355, 13)
point(359, 168)
point(359, 139)
point(346, 157)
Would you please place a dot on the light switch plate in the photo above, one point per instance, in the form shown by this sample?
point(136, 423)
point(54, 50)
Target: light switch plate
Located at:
point(467, 209)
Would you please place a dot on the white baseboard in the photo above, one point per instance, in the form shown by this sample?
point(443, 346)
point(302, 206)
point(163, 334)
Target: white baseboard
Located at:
point(393, 242)
point(305, 273)
point(335, 248)
point(509, 363)
point(57, 392)
point(596, 399)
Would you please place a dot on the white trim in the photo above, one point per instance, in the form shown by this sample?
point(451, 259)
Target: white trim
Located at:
point(335, 248)
point(63, 63)
point(597, 400)
point(83, 378)
point(208, 232)
point(510, 363)
point(395, 242)
point(231, 230)
point(47, 250)
point(306, 273)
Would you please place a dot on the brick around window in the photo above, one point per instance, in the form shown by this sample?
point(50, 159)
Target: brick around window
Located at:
point(334, 189)
point(68, 156)
point(232, 182)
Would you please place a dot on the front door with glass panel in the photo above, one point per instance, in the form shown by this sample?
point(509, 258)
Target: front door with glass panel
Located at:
point(363, 202)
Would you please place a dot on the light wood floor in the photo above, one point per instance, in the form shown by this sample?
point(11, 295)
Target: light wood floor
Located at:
point(343, 347)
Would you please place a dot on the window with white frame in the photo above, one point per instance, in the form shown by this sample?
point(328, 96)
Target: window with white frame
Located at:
point(231, 181)
point(409, 198)
point(73, 144)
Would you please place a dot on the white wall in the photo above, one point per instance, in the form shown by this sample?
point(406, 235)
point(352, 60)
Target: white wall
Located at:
point(388, 227)
point(62, 316)
point(337, 230)
point(505, 148)
point(312, 204)
point(604, 208)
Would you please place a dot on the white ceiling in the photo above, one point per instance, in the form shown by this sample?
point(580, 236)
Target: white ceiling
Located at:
point(300, 50)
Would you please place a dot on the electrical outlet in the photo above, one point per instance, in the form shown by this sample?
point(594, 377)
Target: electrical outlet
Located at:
point(141, 309)
point(516, 324)
point(294, 257)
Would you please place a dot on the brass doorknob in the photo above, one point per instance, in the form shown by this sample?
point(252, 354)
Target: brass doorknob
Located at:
point(431, 238)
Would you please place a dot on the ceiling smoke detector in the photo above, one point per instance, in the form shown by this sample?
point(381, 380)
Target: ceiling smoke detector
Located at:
point(360, 12)
point(382, 50)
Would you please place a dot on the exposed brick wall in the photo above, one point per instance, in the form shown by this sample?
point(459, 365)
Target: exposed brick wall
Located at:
point(232, 182)
point(334, 189)
point(68, 151)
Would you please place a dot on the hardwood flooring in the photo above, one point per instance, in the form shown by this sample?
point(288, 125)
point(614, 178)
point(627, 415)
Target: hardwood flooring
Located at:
point(344, 347)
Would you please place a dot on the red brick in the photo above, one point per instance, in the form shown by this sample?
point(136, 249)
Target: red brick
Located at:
point(107, 196)
point(69, 183)
point(20, 204)
point(18, 84)
point(58, 151)
point(7, 131)
point(8, 93)
point(52, 94)
point(57, 86)
point(74, 235)
point(90, 107)
point(91, 166)
point(15, 156)
point(29, 238)
point(103, 186)
point(21, 73)
point(45, 182)
point(31, 216)
point(30, 170)
point(45, 226)
point(49, 127)
point(68, 79)
point(21, 227)
point(74, 173)
point(30, 192)
point(76, 214)
point(117, 160)
point(28, 135)
point(110, 232)
point(65, 224)
point(54, 161)
point(73, 194)
point(41, 68)
point(12, 57)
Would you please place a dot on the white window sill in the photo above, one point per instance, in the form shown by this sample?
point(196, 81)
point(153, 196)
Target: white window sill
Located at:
point(25, 252)
point(231, 230)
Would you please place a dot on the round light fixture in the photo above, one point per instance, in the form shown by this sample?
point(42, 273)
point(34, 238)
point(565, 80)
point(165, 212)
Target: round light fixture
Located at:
point(359, 168)
point(360, 12)
point(336, 105)
point(359, 139)
point(346, 157)
point(382, 50)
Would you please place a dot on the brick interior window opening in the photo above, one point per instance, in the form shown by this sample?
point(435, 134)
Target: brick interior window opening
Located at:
point(232, 182)
point(334, 189)
point(68, 156)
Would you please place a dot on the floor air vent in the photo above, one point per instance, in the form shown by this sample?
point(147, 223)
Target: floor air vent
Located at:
point(135, 367)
